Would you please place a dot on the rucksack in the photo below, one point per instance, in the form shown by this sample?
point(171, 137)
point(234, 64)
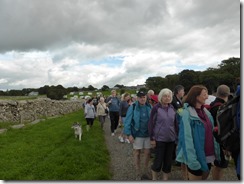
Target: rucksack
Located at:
point(133, 131)
point(209, 106)
point(227, 134)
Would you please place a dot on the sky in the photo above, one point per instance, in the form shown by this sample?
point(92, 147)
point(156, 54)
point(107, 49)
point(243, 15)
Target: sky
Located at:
point(108, 42)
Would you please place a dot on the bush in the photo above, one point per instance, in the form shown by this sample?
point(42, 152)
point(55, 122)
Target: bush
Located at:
point(56, 93)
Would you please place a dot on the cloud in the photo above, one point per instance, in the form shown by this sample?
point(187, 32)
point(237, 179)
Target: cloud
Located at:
point(83, 42)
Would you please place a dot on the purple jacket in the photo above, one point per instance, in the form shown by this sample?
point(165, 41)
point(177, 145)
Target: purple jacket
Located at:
point(162, 124)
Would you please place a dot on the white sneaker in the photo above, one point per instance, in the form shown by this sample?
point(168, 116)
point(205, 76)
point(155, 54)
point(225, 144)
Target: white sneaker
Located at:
point(112, 134)
point(121, 139)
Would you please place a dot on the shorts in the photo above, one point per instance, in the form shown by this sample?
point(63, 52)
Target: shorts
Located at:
point(142, 143)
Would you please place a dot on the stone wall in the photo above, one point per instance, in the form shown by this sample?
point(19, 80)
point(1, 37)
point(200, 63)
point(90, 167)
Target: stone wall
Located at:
point(30, 110)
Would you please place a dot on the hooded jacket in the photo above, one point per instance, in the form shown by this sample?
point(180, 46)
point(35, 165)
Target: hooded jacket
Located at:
point(190, 152)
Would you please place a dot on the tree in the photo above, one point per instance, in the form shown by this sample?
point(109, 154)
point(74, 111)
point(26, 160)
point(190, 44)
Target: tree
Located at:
point(119, 86)
point(91, 88)
point(232, 66)
point(56, 93)
point(14, 92)
point(188, 78)
point(43, 90)
point(72, 89)
point(105, 88)
point(2, 93)
point(208, 79)
point(156, 83)
point(230, 70)
point(172, 81)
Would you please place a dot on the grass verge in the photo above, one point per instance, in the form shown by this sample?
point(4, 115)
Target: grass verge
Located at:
point(49, 151)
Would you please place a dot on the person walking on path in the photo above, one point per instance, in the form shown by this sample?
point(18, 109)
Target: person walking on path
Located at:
point(101, 111)
point(113, 103)
point(177, 97)
point(124, 105)
point(136, 128)
point(90, 114)
point(197, 147)
point(179, 93)
point(222, 95)
point(163, 133)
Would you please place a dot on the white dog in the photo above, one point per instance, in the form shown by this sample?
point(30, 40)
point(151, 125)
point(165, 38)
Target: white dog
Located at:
point(78, 130)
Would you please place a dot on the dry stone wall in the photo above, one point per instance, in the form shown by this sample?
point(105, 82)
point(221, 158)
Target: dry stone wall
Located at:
point(29, 110)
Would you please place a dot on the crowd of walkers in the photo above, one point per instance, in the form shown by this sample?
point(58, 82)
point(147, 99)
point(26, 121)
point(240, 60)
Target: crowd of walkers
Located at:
point(174, 126)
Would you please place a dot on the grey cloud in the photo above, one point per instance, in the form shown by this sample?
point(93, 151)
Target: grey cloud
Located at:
point(28, 24)
point(119, 24)
point(191, 31)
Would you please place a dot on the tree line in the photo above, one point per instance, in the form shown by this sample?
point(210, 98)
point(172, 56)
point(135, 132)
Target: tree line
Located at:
point(227, 72)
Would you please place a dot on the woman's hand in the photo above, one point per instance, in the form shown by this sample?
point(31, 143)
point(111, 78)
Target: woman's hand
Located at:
point(131, 139)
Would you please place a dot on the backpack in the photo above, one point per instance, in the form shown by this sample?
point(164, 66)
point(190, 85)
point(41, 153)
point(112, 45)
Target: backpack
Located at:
point(226, 133)
point(133, 131)
point(209, 106)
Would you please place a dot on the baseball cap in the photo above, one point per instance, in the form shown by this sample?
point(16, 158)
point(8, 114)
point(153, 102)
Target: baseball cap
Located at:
point(141, 93)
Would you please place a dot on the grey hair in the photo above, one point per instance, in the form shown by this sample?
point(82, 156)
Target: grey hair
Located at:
point(101, 99)
point(150, 92)
point(163, 92)
point(223, 91)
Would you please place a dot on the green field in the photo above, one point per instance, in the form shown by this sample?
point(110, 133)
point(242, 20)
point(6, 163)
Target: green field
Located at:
point(49, 151)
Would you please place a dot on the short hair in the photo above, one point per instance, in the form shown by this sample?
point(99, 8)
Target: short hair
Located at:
point(191, 97)
point(223, 91)
point(163, 92)
point(151, 92)
point(101, 99)
point(124, 95)
point(89, 101)
point(178, 88)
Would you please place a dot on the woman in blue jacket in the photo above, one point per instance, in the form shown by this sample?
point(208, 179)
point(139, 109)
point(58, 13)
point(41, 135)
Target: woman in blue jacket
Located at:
point(197, 147)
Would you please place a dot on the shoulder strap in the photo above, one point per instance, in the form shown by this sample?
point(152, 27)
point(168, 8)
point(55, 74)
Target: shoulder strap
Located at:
point(133, 108)
point(216, 105)
point(155, 116)
point(108, 99)
point(134, 105)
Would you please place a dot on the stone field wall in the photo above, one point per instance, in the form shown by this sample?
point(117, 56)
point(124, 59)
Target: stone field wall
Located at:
point(30, 110)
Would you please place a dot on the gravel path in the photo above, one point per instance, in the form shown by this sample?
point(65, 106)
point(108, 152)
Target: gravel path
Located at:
point(122, 165)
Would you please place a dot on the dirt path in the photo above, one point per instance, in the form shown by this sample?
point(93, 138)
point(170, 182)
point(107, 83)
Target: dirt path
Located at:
point(122, 165)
